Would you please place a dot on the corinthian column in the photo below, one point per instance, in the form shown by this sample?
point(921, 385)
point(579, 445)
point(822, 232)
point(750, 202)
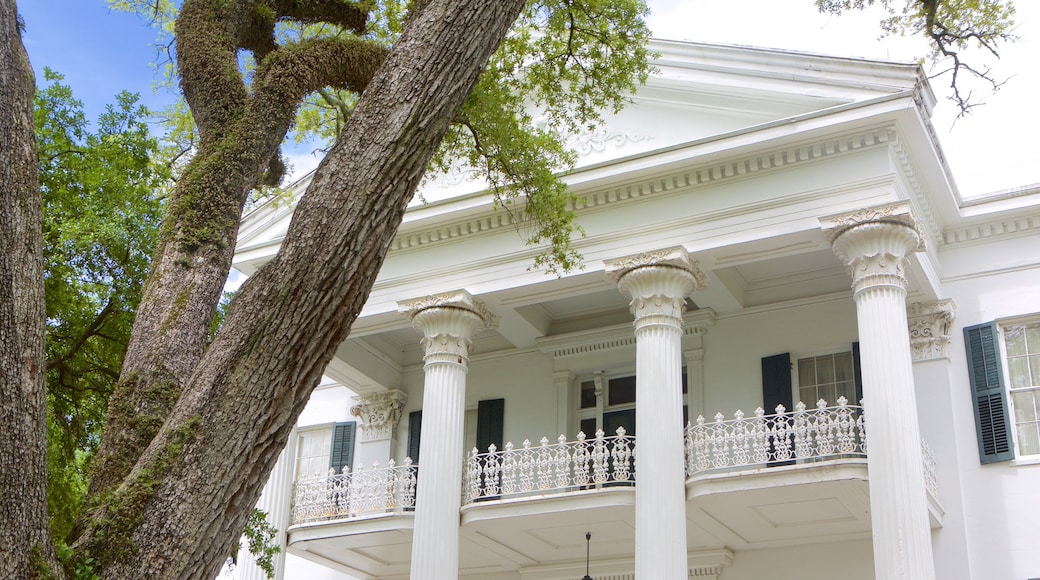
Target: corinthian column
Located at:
point(657, 284)
point(447, 322)
point(874, 244)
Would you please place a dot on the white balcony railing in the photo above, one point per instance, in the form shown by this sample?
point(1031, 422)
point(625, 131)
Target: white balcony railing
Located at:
point(350, 495)
point(801, 437)
point(806, 434)
point(561, 467)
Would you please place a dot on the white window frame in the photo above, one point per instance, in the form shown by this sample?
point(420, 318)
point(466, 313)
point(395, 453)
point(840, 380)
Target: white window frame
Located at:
point(602, 380)
point(309, 430)
point(1004, 325)
point(796, 379)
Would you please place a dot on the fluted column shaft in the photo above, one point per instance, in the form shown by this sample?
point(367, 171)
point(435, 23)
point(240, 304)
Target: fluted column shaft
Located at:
point(447, 324)
point(876, 254)
point(658, 291)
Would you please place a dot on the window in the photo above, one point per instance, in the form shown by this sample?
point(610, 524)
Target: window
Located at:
point(824, 376)
point(1022, 349)
point(606, 403)
point(827, 377)
point(324, 448)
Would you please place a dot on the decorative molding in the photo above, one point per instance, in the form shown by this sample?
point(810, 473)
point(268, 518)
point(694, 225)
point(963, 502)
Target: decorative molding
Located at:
point(618, 337)
point(657, 283)
point(898, 213)
point(380, 413)
point(676, 258)
point(698, 176)
point(709, 562)
point(592, 347)
point(930, 324)
point(447, 321)
point(459, 299)
point(1023, 225)
point(874, 244)
point(586, 142)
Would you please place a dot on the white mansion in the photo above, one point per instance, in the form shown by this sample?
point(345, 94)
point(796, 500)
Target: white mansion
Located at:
point(795, 351)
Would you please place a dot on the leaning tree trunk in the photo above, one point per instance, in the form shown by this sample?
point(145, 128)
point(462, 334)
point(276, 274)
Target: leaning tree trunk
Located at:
point(183, 505)
point(25, 544)
point(241, 128)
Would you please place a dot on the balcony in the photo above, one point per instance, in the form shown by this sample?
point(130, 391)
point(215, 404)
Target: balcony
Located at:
point(752, 482)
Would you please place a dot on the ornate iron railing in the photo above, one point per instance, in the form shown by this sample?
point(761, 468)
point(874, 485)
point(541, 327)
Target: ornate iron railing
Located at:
point(561, 467)
point(806, 434)
point(931, 481)
point(350, 495)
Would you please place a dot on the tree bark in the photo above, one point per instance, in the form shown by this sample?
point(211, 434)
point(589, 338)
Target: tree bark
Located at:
point(241, 129)
point(187, 498)
point(25, 543)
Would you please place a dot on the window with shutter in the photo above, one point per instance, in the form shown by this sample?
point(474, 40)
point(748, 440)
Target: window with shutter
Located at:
point(342, 453)
point(490, 423)
point(776, 389)
point(992, 422)
point(414, 431)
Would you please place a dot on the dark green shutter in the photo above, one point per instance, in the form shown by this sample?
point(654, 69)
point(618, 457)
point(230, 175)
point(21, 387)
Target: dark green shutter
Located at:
point(342, 446)
point(776, 383)
point(414, 430)
point(992, 423)
point(857, 374)
point(490, 419)
point(776, 390)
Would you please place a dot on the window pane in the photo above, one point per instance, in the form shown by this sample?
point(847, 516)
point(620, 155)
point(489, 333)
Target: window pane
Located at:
point(1015, 340)
point(806, 395)
point(825, 392)
point(1028, 439)
point(1034, 370)
point(621, 391)
point(807, 371)
point(588, 427)
point(1025, 405)
point(843, 367)
point(846, 389)
point(1018, 368)
point(1033, 338)
point(825, 369)
point(588, 394)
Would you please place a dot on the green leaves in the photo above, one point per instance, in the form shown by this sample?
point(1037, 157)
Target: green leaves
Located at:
point(101, 210)
point(569, 61)
point(953, 28)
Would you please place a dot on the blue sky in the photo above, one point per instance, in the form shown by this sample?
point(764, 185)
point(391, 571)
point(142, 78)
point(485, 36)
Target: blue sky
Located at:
point(102, 52)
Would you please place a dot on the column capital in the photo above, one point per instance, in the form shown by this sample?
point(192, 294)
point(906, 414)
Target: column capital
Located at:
point(874, 244)
point(676, 257)
point(898, 213)
point(380, 413)
point(447, 321)
point(930, 324)
point(657, 284)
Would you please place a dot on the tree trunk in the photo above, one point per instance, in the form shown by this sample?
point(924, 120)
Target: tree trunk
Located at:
point(241, 130)
point(26, 550)
point(187, 499)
